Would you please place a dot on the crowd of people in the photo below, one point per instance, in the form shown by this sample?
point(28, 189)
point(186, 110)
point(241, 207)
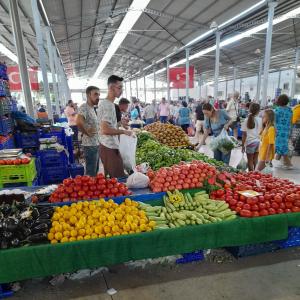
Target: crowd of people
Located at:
point(267, 133)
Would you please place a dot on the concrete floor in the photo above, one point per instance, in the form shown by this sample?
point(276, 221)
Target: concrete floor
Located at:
point(269, 276)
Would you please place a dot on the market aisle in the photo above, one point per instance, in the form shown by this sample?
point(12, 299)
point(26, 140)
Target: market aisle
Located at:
point(270, 276)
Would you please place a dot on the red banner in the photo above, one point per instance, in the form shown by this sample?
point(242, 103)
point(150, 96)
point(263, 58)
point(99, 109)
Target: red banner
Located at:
point(178, 77)
point(15, 80)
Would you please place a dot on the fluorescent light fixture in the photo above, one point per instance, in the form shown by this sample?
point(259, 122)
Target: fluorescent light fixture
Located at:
point(5, 51)
point(238, 37)
point(134, 12)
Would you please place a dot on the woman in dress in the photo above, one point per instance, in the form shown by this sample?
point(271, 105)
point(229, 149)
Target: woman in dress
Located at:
point(283, 121)
point(184, 118)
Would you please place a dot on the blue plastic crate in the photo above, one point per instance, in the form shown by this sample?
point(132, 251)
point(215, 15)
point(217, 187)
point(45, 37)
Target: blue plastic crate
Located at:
point(70, 149)
point(53, 175)
point(6, 125)
point(190, 257)
point(53, 158)
point(8, 144)
point(76, 169)
point(5, 291)
point(58, 132)
point(27, 139)
point(293, 239)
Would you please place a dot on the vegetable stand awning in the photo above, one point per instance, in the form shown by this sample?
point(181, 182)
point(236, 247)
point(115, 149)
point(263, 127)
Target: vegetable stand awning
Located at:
point(44, 260)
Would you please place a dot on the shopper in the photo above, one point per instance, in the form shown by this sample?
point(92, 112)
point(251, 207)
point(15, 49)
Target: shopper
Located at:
point(135, 112)
point(121, 111)
point(283, 121)
point(70, 113)
point(42, 113)
point(251, 129)
point(199, 121)
point(294, 142)
point(232, 109)
point(150, 112)
point(164, 111)
point(184, 117)
point(267, 145)
point(87, 123)
point(172, 116)
point(215, 122)
point(109, 132)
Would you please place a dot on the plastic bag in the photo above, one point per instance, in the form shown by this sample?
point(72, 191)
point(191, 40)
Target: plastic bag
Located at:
point(127, 150)
point(268, 169)
point(191, 131)
point(137, 180)
point(223, 142)
point(242, 165)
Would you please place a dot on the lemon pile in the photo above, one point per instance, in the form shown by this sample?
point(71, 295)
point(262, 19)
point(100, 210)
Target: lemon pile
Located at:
point(97, 219)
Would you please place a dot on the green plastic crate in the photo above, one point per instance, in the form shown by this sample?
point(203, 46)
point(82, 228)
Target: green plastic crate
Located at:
point(18, 174)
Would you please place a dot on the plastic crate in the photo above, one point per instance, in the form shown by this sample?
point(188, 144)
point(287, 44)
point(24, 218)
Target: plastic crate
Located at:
point(53, 158)
point(8, 143)
point(53, 175)
point(18, 174)
point(70, 149)
point(5, 107)
point(58, 132)
point(5, 291)
point(76, 169)
point(6, 125)
point(27, 139)
point(249, 250)
point(190, 257)
point(293, 239)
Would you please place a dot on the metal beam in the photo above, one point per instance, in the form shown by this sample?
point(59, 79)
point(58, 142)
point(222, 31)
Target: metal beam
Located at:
point(187, 74)
point(154, 82)
point(18, 36)
point(293, 88)
point(217, 64)
point(168, 79)
point(260, 71)
point(145, 89)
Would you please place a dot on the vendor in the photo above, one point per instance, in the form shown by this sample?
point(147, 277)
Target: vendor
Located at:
point(121, 111)
point(87, 123)
point(70, 113)
point(215, 122)
point(109, 132)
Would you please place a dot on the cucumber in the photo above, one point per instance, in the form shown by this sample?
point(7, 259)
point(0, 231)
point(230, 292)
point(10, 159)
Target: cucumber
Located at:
point(198, 221)
point(171, 225)
point(181, 222)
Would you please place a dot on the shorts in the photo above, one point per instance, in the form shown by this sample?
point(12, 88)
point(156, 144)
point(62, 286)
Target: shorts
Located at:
point(199, 125)
point(252, 148)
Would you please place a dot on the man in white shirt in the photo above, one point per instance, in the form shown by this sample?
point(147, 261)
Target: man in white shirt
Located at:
point(232, 109)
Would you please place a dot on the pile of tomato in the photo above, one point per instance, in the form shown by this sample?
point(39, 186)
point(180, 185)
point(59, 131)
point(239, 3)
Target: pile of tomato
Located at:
point(17, 161)
point(86, 187)
point(277, 195)
point(182, 176)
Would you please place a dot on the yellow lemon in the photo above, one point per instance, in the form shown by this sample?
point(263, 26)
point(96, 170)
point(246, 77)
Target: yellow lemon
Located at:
point(56, 216)
point(73, 220)
point(87, 237)
point(58, 228)
point(50, 236)
point(72, 205)
point(81, 232)
point(107, 229)
point(64, 239)
point(126, 227)
point(137, 230)
point(90, 222)
point(74, 233)
point(108, 234)
point(148, 229)
point(101, 235)
point(79, 206)
point(131, 231)
point(73, 211)
point(65, 226)
point(133, 226)
point(116, 233)
point(143, 227)
point(111, 224)
point(96, 214)
point(79, 238)
point(54, 223)
point(98, 229)
point(111, 218)
point(72, 239)
point(85, 203)
point(115, 228)
point(52, 230)
point(94, 236)
point(152, 224)
point(124, 232)
point(127, 201)
point(129, 218)
point(88, 231)
point(54, 242)
point(66, 233)
point(58, 236)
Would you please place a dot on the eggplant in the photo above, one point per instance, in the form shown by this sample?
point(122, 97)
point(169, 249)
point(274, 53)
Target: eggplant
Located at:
point(6, 210)
point(40, 221)
point(45, 216)
point(45, 209)
point(7, 234)
point(35, 213)
point(4, 244)
point(27, 223)
point(24, 231)
point(37, 237)
point(40, 228)
point(11, 224)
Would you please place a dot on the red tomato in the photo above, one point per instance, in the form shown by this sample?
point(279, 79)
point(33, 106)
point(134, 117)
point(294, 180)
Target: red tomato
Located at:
point(278, 198)
point(262, 205)
point(246, 207)
point(280, 211)
point(246, 213)
point(240, 204)
point(254, 207)
point(238, 209)
point(272, 211)
point(288, 204)
point(275, 205)
point(287, 210)
point(295, 209)
point(263, 212)
point(255, 214)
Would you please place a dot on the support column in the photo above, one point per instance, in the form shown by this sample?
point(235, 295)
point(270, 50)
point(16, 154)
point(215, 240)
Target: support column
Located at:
point(217, 64)
point(145, 90)
point(168, 79)
point(293, 87)
point(42, 55)
point(51, 62)
point(259, 80)
point(279, 80)
point(130, 88)
point(200, 85)
point(154, 83)
point(226, 89)
point(59, 83)
point(137, 88)
point(187, 74)
point(234, 79)
point(272, 4)
point(18, 36)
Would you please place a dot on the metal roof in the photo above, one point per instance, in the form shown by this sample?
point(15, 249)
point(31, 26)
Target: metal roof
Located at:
point(83, 29)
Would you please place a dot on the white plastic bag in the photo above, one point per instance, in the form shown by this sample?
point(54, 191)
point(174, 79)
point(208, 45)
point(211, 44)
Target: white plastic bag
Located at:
point(268, 169)
point(242, 165)
point(223, 142)
point(137, 180)
point(127, 150)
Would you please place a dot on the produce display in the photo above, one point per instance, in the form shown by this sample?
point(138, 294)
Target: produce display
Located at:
point(142, 137)
point(168, 134)
point(17, 161)
point(183, 209)
point(183, 176)
point(86, 187)
point(159, 156)
point(21, 224)
point(267, 195)
point(97, 219)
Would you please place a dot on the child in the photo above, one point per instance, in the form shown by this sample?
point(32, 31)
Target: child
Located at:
point(251, 129)
point(267, 146)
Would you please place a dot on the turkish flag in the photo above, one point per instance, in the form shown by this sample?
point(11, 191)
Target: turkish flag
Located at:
point(178, 76)
point(15, 80)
